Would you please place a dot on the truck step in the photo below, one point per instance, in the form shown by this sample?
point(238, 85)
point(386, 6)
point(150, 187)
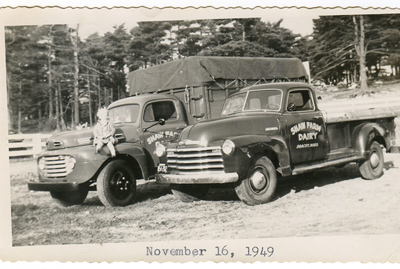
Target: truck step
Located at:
point(300, 169)
point(340, 154)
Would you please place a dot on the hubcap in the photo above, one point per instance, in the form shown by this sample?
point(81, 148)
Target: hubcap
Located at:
point(374, 160)
point(120, 185)
point(258, 181)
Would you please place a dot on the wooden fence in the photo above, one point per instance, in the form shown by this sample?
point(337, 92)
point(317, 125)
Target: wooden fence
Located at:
point(26, 145)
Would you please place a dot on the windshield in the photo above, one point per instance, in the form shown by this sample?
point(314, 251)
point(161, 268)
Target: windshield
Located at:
point(234, 104)
point(253, 101)
point(126, 113)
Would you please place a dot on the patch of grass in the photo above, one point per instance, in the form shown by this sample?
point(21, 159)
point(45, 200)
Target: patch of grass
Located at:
point(20, 210)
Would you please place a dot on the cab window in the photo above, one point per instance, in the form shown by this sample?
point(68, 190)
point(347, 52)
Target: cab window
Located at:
point(300, 100)
point(160, 110)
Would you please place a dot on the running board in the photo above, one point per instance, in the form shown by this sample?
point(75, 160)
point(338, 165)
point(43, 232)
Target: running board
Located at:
point(305, 168)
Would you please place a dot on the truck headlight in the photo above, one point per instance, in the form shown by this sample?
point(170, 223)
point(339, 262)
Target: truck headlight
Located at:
point(160, 150)
point(228, 147)
point(41, 163)
point(69, 163)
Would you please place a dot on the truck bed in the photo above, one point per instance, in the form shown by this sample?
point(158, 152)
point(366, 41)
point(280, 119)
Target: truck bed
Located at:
point(360, 114)
point(360, 108)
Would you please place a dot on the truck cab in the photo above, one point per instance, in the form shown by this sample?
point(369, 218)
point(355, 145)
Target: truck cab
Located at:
point(270, 131)
point(70, 167)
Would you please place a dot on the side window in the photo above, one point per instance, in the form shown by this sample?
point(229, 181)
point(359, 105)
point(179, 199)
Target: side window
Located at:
point(157, 110)
point(301, 99)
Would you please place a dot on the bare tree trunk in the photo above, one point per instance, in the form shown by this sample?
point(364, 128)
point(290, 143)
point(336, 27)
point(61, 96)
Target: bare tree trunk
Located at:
point(62, 121)
point(74, 41)
point(359, 32)
point(50, 83)
point(112, 96)
point(57, 100)
point(19, 108)
point(105, 97)
point(40, 119)
point(9, 92)
point(90, 100)
point(98, 94)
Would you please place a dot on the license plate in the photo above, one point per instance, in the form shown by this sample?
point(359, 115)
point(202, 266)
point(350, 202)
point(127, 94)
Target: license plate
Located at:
point(162, 168)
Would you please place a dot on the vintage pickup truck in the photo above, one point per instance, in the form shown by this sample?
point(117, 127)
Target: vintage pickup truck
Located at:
point(165, 99)
point(271, 131)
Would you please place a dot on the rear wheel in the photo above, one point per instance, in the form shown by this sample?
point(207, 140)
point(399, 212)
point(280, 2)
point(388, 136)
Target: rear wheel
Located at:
point(116, 184)
point(372, 167)
point(70, 198)
point(260, 185)
point(189, 192)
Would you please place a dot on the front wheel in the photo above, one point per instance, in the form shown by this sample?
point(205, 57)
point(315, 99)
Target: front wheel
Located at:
point(116, 184)
point(260, 185)
point(70, 198)
point(189, 192)
point(372, 167)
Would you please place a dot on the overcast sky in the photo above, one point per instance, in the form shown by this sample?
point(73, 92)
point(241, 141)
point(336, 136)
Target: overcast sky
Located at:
point(298, 25)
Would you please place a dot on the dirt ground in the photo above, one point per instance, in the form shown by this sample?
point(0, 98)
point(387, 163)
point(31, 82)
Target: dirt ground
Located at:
point(326, 202)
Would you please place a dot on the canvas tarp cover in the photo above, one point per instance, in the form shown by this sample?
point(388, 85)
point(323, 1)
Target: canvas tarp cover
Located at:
point(194, 71)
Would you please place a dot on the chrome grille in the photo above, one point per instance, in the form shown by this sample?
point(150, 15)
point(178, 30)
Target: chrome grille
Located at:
point(54, 167)
point(194, 160)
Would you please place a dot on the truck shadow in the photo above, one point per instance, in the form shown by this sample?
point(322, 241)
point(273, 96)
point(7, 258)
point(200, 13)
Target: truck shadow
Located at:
point(148, 190)
point(297, 183)
point(319, 178)
point(222, 193)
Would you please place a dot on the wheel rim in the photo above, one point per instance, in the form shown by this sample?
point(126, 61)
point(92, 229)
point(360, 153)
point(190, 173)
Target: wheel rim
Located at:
point(374, 160)
point(121, 185)
point(258, 180)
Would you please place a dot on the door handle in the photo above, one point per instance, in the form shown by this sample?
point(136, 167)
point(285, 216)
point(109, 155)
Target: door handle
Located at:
point(317, 117)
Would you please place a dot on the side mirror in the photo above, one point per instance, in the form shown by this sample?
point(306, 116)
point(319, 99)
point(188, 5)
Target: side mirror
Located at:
point(291, 107)
point(161, 121)
point(319, 98)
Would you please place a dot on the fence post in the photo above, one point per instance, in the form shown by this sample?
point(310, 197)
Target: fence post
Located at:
point(37, 144)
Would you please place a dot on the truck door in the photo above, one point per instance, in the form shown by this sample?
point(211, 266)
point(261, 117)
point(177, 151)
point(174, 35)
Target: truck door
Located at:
point(154, 133)
point(305, 128)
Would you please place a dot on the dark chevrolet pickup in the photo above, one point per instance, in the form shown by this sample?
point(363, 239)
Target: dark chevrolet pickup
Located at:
point(268, 131)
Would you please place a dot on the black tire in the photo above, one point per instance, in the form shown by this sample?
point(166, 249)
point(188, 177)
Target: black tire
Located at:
point(189, 192)
point(372, 167)
point(116, 184)
point(260, 184)
point(70, 198)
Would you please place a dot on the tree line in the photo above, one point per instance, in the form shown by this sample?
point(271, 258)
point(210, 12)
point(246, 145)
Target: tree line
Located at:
point(57, 81)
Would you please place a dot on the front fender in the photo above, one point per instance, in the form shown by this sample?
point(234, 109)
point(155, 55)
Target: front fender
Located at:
point(139, 155)
point(364, 134)
point(248, 146)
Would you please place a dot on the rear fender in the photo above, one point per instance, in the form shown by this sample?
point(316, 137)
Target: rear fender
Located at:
point(364, 134)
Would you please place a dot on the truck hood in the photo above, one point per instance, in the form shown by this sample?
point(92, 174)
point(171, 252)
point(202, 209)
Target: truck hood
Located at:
point(213, 130)
point(70, 139)
point(84, 137)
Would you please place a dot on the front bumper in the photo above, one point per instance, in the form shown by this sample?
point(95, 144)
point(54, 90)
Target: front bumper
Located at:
point(198, 178)
point(53, 186)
